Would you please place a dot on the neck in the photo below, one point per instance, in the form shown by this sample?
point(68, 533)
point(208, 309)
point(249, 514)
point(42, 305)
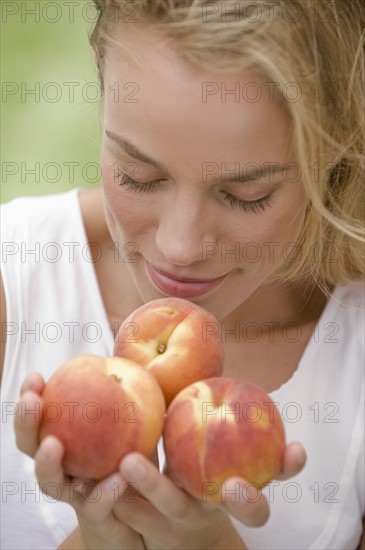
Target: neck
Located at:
point(283, 304)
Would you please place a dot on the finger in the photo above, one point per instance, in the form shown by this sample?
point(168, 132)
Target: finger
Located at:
point(140, 515)
point(294, 460)
point(26, 422)
point(245, 502)
point(33, 382)
point(118, 498)
point(97, 517)
point(50, 473)
point(165, 496)
point(98, 498)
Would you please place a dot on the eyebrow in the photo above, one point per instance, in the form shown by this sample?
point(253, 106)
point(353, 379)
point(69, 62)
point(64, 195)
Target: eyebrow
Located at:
point(255, 174)
point(133, 151)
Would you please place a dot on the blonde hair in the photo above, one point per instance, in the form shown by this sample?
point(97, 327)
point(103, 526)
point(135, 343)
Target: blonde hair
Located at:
point(318, 44)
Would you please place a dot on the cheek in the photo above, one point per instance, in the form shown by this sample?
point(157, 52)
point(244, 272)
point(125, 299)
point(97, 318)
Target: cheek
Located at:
point(126, 210)
point(268, 234)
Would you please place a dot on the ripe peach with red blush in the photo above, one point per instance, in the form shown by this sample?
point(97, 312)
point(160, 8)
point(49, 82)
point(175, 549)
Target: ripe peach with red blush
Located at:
point(221, 428)
point(176, 340)
point(101, 408)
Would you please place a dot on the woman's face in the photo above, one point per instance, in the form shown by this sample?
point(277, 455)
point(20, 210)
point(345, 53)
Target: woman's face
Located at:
point(184, 134)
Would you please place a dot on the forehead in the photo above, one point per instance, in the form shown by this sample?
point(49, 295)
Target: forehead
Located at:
point(176, 102)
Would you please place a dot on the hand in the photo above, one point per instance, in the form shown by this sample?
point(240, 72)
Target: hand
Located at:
point(170, 518)
point(248, 504)
point(93, 503)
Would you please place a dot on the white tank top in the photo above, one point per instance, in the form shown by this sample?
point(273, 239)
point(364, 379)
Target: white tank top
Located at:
point(55, 311)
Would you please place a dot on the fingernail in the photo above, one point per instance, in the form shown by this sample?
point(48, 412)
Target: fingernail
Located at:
point(43, 453)
point(231, 491)
point(25, 386)
point(301, 458)
point(43, 449)
point(133, 468)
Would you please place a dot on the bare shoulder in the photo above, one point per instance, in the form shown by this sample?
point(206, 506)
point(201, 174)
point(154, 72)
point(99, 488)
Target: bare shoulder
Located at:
point(92, 210)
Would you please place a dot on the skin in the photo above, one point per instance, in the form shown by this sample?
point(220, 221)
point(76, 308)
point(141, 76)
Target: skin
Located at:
point(168, 226)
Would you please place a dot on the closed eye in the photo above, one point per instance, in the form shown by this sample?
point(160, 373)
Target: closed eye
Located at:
point(247, 206)
point(135, 185)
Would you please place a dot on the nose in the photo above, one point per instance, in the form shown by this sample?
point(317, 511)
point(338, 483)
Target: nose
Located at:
point(183, 229)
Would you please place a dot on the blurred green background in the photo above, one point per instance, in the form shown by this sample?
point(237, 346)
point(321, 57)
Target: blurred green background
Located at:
point(50, 98)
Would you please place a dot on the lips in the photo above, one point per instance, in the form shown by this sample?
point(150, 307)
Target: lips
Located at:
point(184, 287)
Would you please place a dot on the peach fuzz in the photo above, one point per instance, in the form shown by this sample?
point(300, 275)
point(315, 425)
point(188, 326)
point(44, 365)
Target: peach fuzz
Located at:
point(175, 340)
point(221, 428)
point(102, 408)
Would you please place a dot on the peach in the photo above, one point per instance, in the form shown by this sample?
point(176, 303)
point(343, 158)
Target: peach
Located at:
point(102, 408)
point(220, 428)
point(176, 340)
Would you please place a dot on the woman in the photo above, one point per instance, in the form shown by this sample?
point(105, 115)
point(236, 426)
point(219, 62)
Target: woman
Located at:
point(232, 152)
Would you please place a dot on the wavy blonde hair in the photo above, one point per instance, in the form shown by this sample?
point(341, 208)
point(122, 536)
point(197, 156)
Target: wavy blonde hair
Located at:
point(317, 44)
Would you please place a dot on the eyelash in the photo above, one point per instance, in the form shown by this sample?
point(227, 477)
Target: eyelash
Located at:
point(246, 206)
point(134, 185)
